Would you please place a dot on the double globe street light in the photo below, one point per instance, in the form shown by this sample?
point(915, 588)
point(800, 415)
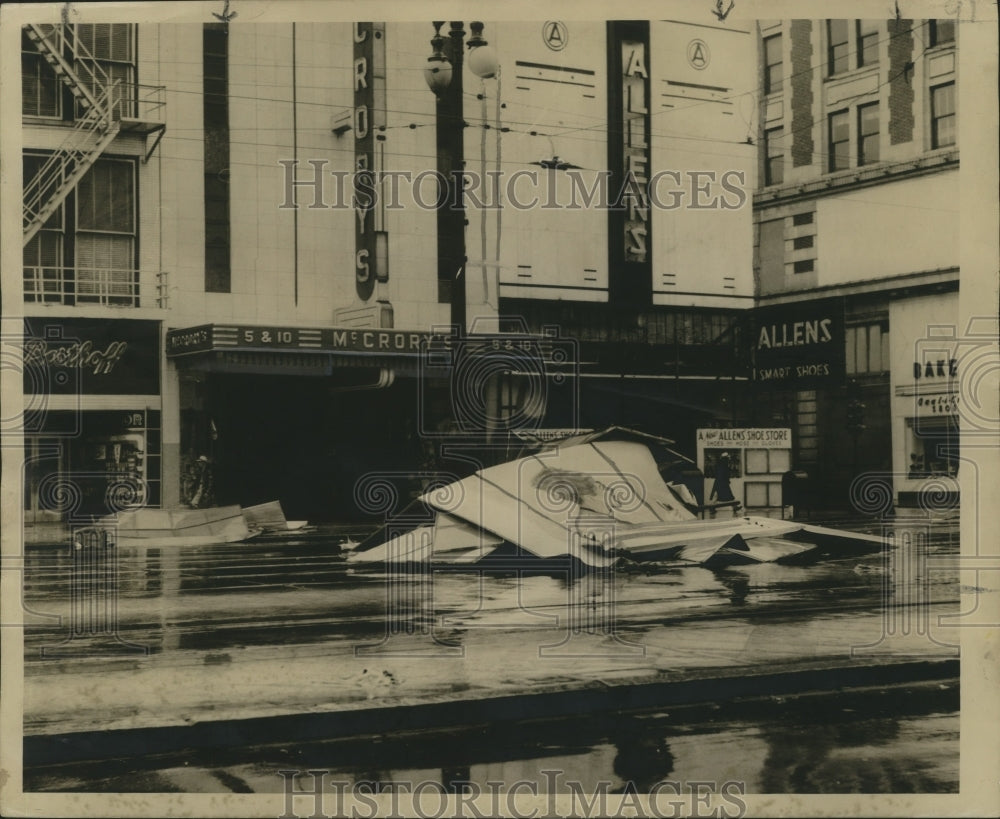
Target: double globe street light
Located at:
point(443, 74)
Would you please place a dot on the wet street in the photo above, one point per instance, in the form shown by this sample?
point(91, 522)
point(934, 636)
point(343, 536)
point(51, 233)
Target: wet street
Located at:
point(676, 670)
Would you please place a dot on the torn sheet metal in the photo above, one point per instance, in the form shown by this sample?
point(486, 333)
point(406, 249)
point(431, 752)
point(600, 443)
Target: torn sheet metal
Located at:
point(596, 499)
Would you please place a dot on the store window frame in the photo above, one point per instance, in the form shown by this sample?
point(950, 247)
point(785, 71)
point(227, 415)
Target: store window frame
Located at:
point(62, 275)
point(867, 39)
point(861, 339)
point(838, 122)
point(774, 161)
point(101, 235)
point(932, 446)
point(949, 116)
point(118, 60)
point(773, 64)
point(838, 47)
point(36, 73)
point(941, 32)
point(868, 140)
point(851, 45)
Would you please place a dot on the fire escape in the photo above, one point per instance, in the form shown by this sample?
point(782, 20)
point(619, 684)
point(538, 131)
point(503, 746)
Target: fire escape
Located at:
point(104, 107)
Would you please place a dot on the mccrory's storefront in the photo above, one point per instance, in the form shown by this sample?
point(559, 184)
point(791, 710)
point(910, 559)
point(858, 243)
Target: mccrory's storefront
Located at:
point(300, 415)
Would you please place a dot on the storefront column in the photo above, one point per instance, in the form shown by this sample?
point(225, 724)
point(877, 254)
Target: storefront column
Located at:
point(171, 431)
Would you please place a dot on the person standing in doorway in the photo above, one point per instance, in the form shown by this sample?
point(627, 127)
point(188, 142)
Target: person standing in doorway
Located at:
point(721, 490)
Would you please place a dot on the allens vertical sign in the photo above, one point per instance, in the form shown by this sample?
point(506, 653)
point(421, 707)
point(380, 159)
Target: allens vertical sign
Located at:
point(369, 128)
point(635, 102)
point(629, 245)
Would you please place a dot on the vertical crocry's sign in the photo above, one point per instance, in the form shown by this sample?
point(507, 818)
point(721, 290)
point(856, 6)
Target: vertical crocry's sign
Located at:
point(369, 132)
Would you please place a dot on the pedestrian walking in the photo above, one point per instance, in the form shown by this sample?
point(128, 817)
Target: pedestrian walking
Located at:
point(721, 490)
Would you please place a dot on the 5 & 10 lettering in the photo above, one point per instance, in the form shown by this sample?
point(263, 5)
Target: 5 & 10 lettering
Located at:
point(269, 337)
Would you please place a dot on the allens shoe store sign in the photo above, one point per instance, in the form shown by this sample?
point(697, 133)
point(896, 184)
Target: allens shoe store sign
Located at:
point(799, 345)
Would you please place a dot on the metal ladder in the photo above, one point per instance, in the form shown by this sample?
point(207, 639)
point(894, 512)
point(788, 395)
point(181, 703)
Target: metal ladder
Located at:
point(91, 133)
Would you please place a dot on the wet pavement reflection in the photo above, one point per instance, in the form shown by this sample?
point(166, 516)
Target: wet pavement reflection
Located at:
point(287, 591)
point(839, 744)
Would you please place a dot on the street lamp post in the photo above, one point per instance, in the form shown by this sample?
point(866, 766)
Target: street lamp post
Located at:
point(444, 77)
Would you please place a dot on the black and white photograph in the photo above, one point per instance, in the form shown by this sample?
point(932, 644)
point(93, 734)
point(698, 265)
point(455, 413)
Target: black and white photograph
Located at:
point(573, 411)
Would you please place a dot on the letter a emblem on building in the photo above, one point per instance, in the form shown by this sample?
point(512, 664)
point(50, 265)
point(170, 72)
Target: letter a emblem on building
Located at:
point(698, 54)
point(555, 35)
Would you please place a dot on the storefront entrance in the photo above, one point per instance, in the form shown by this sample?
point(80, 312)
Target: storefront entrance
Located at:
point(302, 441)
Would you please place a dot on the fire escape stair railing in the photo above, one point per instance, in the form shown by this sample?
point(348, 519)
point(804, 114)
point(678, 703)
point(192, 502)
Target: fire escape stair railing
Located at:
point(90, 136)
point(48, 41)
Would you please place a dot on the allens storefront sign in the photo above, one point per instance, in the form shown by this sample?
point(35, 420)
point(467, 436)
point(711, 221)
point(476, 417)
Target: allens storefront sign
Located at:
point(798, 345)
point(630, 233)
point(635, 100)
point(69, 356)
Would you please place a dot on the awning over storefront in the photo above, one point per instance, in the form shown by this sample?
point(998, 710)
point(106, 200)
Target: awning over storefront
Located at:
point(320, 351)
point(294, 350)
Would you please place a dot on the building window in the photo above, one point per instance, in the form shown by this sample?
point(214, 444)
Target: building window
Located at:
point(932, 447)
point(803, 218)
point(41, 94)
point(105, 56)
point(868, 135)
point(94, 261)
point(44, 262)
point(838, 46)
point(803, 266)
point(803, 242)
point(943, 115)
point(867, 42)
point(941, 32)
point(102, 56)
point(105, 233)
point(216, 113)
point(867, 348)
point(774, 168)
point(839, 141)
point(772, 64)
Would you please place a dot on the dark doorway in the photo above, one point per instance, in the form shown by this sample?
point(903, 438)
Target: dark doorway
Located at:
point(306, 441)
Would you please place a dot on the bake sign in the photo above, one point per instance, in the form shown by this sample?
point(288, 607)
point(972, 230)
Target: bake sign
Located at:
point(942, 368)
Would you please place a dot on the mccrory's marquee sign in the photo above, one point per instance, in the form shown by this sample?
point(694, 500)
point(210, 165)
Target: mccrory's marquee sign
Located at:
point(209, 337)
point(799, 344)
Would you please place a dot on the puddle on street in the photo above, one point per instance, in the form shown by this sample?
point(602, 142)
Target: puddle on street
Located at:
point(841, 743)
point(894, 740)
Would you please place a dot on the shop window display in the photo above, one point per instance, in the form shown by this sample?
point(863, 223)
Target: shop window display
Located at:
point(933, 448)
point(113, 463)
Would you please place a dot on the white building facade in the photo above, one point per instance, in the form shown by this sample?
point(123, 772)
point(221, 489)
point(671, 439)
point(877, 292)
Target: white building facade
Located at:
point(200, 281)
point(858, 224)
